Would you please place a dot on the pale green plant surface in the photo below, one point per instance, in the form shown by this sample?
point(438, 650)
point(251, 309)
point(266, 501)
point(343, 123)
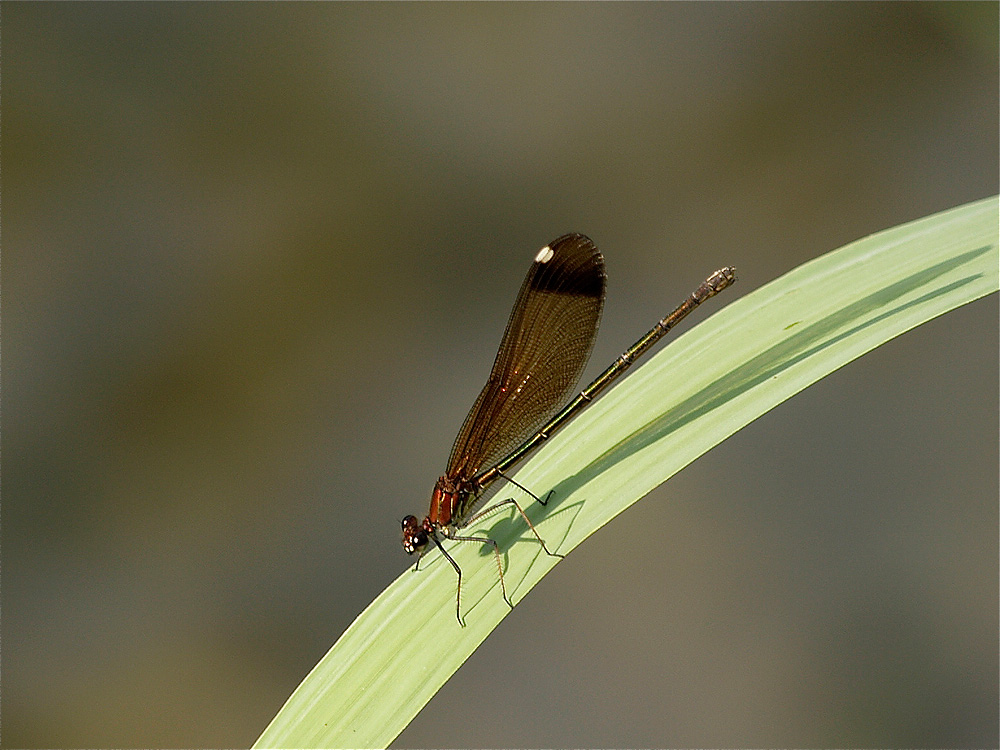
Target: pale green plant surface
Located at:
point(743, 361)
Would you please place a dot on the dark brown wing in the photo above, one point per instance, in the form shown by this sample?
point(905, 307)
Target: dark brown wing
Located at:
point(544, 349)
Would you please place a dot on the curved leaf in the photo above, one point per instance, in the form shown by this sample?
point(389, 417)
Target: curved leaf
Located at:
point(700, 389)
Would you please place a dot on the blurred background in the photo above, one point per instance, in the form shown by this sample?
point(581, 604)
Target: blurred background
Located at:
point(257, 261)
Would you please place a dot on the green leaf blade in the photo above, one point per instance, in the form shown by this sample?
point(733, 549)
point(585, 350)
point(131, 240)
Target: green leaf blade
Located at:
point(697, 391)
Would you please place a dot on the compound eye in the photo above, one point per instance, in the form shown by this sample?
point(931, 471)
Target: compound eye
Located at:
point(414, 536)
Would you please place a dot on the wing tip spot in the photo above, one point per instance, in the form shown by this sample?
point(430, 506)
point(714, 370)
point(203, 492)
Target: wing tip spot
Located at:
point(544, 255)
